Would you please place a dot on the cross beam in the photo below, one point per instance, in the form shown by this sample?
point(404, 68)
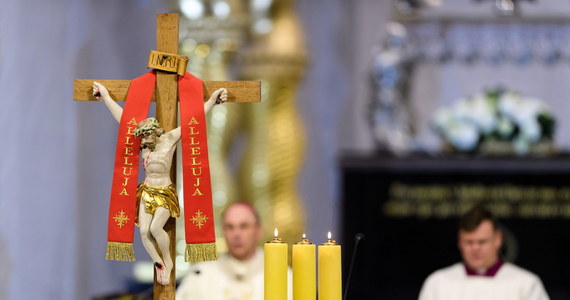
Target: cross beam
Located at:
point(238, 91)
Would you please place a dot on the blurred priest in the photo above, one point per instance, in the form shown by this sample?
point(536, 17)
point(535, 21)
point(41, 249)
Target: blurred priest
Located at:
point(482, 275)
point(236, 275)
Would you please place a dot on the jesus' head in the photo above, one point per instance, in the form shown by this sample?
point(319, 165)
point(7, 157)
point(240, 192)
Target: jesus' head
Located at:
point(149, 130)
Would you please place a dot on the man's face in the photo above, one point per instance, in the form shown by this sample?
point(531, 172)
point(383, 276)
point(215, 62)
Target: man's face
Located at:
point(241, 231)
point(480, 247)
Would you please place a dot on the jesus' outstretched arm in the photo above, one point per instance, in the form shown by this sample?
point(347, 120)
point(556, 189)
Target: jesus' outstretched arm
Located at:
point(101, 93)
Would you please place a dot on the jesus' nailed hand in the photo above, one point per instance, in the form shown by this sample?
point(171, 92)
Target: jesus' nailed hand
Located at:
point(156, 196)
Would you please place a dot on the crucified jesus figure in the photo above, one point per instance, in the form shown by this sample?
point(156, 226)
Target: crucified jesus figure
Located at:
point(156, 195)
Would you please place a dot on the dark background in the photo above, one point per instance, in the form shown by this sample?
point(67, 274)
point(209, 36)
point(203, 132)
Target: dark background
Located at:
point(399, 253)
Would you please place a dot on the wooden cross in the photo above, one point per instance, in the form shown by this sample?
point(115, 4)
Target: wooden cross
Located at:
point(166, 97)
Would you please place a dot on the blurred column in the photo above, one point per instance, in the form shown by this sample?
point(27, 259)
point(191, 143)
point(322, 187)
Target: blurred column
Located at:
point(276, 139)
point(211, 33)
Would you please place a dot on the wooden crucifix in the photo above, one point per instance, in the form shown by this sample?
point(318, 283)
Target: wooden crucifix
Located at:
point(166, 96)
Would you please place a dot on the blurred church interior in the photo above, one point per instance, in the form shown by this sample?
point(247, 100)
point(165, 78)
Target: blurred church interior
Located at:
point(379, 119)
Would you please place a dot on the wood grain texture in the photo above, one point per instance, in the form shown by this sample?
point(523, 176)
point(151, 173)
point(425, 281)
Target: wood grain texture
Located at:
point(238, 91)
point(166, 93)
point(169, 62)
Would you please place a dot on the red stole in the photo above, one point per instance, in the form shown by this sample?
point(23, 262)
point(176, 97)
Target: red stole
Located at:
point(199, 218)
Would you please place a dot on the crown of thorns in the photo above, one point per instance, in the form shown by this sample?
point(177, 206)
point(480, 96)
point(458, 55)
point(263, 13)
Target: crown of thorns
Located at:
point(146, 127)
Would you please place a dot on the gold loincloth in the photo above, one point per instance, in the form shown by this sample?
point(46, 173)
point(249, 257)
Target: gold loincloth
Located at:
point(155, 197)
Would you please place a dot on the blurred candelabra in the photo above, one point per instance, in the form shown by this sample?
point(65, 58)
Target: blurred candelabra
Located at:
point(390, 115)
point(211, 35)
point(274, 153)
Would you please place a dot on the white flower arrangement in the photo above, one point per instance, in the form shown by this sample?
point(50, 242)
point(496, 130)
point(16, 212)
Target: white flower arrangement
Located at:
point(496, 115)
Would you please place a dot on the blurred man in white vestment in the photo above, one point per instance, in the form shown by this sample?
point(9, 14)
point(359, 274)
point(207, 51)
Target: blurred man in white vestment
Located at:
point(482, 275)
point(236, 275)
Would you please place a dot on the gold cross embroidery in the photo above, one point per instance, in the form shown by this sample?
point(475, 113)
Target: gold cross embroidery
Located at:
point(121, 218)
point(199, 219)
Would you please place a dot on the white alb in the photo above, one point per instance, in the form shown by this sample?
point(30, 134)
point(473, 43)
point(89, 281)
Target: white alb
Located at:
point(510, 283)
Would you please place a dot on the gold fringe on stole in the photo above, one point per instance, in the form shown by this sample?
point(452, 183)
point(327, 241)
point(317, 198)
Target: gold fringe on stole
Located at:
point(120, 251)
point(201, 252)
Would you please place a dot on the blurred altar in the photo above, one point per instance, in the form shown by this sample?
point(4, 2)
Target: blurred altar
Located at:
point(467, 107)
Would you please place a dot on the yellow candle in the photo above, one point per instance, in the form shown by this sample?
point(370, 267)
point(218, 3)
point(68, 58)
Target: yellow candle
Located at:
point(330, 271)
point(304, 270)
point(275, 269)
